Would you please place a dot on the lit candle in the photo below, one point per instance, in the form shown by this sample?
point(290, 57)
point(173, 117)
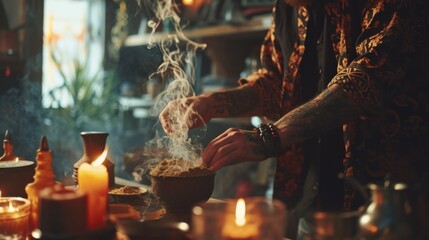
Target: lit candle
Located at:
point(238, 227)
point(93, 180)
point(14, 217)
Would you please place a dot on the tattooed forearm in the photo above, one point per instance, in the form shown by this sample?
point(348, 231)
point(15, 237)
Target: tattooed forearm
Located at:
point(330, 109)
point(238, 102)
point(220, 106)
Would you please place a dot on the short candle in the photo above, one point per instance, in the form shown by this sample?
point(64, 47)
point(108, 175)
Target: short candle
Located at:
point(14, 217)
point(238, 226)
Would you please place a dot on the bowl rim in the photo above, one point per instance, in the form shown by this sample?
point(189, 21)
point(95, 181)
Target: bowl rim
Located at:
point(142, 191)
point(172, 177)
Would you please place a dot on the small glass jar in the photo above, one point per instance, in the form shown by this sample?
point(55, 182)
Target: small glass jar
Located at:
point(265, 220)
point(14, 217)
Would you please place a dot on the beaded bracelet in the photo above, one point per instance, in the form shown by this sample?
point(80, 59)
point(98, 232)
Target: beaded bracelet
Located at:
point(270, 138)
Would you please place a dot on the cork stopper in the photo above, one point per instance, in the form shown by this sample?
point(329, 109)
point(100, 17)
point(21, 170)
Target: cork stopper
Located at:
point(7, 148)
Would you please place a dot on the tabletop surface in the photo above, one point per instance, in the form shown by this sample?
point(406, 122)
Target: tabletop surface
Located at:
point(136, 215)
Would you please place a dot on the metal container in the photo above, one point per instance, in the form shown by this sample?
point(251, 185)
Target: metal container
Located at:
point(389, 214)
point(14, 176)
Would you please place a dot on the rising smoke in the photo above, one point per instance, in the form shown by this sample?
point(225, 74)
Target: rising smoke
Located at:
point(177, 70)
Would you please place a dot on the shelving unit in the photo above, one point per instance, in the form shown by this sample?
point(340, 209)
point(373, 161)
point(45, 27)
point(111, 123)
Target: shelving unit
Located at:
point(252, 29)
point(228, 44)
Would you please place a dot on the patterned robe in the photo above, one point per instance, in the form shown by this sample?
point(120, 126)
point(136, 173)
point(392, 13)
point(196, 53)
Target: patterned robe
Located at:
point(383, 65)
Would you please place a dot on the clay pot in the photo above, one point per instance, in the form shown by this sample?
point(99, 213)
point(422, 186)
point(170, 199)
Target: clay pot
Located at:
point(180, 194)
point(93, 146)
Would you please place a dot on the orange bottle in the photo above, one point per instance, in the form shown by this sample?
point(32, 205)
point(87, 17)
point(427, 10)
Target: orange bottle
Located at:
point(43, 178)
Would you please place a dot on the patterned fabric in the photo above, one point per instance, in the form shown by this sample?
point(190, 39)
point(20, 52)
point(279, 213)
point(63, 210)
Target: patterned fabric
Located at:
point(382, 64)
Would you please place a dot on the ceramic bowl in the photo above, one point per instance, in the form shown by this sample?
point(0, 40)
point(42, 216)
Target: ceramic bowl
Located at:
point(127, 193)
point(180, 194)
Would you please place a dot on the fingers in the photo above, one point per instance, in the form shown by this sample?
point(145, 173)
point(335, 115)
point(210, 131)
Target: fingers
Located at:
point(231, 147)
point(165, 123)
point(227, 155)
point(181, 115)
point(211, 149)
point(217, 152)
point(173, 117)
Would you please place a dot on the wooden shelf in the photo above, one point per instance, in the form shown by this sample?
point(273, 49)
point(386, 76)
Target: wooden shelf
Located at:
point(255, 27)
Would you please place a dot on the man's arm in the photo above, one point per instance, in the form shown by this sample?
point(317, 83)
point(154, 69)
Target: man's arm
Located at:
point(330, 109)
point(239, 102)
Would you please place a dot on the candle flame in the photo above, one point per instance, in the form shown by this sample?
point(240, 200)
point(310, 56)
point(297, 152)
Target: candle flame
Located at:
point(240, 212)
point(16, 159)
point(188, 2)
point(11, 208)
point(100, 159)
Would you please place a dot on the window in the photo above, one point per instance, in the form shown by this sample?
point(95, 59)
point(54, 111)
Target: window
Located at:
point(73, 32)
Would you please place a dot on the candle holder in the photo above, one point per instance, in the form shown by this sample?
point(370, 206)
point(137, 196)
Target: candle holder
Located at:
point(94, 144)
point(265, 219)
point(14, 217)
point(208, 220)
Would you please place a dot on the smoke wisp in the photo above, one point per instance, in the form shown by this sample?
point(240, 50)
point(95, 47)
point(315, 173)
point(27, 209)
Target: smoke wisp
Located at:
point(177, 71)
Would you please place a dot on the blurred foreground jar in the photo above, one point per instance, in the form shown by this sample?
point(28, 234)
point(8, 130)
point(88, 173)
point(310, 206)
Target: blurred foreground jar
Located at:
point(62, 213)
point(335, 225)
point(253, 218)
point(63, 216)
point(389, 214)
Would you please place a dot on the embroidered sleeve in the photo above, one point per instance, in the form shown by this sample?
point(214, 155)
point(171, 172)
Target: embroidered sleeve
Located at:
point(380, 55)
point(267, 81)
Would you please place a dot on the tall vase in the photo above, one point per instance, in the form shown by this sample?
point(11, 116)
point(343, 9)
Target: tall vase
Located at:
point(93, 146)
